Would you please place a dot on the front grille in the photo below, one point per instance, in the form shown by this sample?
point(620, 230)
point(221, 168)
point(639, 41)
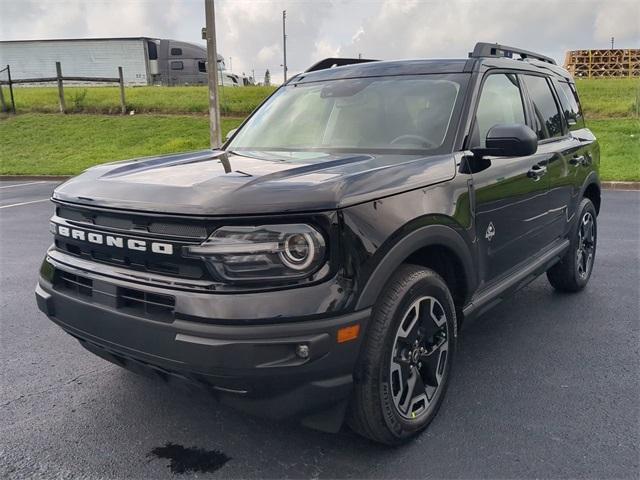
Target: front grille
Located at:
point(74, 284)
point(138, 303)
point(188, 268)
point(134, 224)
point(151, 228)
point(145, 304)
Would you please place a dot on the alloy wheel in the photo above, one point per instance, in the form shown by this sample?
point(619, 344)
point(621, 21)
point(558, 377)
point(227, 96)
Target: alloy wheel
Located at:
point(419, 357)
point(586, 245)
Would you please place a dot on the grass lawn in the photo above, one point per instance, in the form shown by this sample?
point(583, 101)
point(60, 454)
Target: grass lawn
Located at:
point(238, 101)
point(619, 148)
point(609, 97)
point(36, 144)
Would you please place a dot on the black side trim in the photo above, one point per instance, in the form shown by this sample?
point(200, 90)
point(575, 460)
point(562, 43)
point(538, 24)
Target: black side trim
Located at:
point(492, 295)
point(420, 238)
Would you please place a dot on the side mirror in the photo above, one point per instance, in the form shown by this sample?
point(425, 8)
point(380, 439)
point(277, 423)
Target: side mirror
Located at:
point(230, 134)
point(514, 140)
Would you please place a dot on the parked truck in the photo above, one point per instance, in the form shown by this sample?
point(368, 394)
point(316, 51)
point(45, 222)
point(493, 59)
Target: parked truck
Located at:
point(145, 61)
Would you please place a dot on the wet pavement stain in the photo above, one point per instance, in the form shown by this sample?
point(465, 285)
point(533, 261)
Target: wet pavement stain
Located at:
point(191, 459)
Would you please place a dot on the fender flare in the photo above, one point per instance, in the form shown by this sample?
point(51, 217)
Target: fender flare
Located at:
point(429, 235)
point(592, 179)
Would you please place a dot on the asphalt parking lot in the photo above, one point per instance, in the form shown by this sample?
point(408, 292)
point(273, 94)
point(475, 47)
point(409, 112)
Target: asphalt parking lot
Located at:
point(545, 386)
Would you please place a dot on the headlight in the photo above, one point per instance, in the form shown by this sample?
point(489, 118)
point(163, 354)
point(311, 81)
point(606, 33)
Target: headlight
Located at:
point(266, 252)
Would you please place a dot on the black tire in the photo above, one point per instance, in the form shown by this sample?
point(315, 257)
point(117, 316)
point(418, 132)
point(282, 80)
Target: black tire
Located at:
point(572, 274)
point(411, 294)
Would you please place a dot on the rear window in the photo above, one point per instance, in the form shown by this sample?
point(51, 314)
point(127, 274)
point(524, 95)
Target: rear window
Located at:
point(546, 113)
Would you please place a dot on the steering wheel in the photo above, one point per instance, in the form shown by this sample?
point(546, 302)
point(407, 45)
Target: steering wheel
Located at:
point(422, 141)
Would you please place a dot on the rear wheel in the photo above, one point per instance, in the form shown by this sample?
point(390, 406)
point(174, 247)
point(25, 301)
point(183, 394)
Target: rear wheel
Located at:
point(405, 364)
point(572, 273)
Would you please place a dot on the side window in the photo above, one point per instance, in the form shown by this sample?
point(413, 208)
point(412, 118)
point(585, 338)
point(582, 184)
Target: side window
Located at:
point(202, 66)
point(177, 65)
point(153, 50)
point(176, 52)
point(547, 117)
point(500, 103)
point(570, 106)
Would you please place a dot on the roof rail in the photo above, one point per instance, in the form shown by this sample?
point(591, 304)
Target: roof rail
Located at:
point(336, 62)
point(483, 49)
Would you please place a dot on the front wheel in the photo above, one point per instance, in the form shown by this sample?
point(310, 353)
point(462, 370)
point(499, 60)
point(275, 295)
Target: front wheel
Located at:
point(405, 365)
point(572, 273)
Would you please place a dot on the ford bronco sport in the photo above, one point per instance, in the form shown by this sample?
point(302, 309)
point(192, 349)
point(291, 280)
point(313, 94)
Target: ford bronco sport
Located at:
point(320, 264)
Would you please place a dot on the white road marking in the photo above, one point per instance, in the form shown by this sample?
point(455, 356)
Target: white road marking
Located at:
point(24, 203)
point(21, 184)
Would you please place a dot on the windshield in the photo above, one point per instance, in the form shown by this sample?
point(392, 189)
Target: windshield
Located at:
point(401, 114)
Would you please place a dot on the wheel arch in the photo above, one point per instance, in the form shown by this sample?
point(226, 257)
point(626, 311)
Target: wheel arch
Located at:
point(591, 190)
point(438, 247)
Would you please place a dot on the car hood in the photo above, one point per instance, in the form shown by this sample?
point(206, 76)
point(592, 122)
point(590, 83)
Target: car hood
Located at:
point(226, 183)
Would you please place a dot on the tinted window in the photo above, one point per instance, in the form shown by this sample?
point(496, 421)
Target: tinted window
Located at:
point(202, 66)
point(398, 113)
point(547, 116)
point(176, 51)
point(175, 65)
point(500, 103)
point(570, 106)
point(153, 50)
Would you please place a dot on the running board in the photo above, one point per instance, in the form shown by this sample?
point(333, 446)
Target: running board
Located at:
point(493, 295)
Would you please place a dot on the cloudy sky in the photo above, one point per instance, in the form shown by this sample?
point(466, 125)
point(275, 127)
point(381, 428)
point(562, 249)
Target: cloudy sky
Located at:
point(250, 31)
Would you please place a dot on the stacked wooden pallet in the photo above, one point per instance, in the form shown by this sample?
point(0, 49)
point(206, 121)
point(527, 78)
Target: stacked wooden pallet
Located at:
point(603, 63)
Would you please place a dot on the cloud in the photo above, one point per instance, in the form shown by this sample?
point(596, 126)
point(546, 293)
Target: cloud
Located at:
point(620, 20)
point(250, 31)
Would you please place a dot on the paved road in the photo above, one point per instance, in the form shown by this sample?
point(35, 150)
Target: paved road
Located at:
point(546, 386)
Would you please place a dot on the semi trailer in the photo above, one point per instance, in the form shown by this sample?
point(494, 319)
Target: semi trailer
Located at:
point(144, 60)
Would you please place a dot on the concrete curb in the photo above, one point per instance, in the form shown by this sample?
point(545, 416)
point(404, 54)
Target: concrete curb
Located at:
point(621, 185)
point(54, 178)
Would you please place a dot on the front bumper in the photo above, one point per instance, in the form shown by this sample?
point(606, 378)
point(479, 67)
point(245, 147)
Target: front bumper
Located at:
point(253, 367)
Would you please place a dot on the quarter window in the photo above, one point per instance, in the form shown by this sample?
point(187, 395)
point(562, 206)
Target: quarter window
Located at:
point(570, 105)
point(500, 103)
point(548, 123)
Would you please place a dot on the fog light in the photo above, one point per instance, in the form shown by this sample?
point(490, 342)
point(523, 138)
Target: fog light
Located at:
point(302, 351)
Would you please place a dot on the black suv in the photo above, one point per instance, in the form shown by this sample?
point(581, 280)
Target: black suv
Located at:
point(320, 264)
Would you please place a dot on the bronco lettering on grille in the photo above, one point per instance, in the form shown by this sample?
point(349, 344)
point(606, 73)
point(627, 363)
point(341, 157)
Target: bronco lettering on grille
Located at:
point(115, 241)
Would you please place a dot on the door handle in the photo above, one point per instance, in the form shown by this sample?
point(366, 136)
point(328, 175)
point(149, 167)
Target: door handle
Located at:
point(536, 172)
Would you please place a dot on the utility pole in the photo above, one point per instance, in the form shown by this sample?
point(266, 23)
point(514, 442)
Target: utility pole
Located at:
point(359, 56)
point(284, 42)
point(612, 39)
point(253, 75)
point(212, 71)
point(231, 64)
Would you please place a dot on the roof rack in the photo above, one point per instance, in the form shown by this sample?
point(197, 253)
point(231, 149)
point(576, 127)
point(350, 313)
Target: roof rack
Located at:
point(483, 49)
point(336, 62)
